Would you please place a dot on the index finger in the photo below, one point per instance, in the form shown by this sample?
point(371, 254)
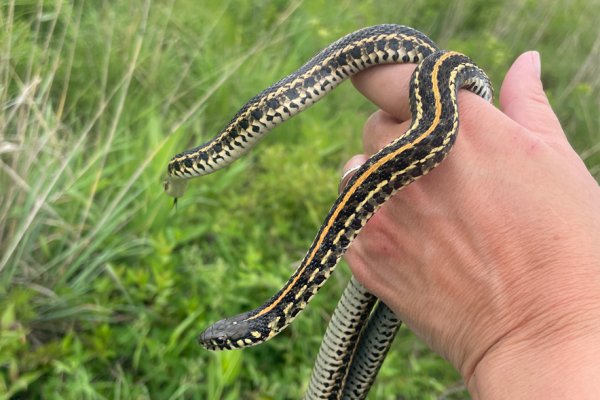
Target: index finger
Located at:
point(387, 86)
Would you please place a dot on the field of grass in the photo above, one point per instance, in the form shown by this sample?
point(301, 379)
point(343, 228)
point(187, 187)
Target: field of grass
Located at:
point(103, 285)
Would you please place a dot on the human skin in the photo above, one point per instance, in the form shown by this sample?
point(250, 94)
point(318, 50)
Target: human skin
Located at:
point(493, 258)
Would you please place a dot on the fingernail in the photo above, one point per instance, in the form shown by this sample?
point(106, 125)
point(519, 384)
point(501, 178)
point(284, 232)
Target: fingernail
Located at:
point(537, 63)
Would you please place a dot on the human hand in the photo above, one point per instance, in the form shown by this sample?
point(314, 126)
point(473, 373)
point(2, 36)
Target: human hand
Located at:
point(493, 259)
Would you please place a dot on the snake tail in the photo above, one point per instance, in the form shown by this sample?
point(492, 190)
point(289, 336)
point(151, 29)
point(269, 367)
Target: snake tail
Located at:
point(340, 342)
point(375, 341)
point(358, 337)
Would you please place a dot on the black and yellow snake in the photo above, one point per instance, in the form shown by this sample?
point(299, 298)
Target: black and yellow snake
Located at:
point(433, 100)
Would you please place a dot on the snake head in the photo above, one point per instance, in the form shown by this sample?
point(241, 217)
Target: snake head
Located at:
point(175, 187)
point(232, 333)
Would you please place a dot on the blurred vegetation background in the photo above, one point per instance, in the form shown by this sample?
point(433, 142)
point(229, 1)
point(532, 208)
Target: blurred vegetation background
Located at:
point(104, 286)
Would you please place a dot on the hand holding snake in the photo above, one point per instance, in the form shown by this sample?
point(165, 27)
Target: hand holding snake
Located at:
point(469, 214)
point(494, 257)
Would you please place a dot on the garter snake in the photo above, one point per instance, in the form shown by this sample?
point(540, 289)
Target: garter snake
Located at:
point(433, 100)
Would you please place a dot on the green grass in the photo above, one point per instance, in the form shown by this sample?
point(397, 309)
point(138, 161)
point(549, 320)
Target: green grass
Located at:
point(103, 286)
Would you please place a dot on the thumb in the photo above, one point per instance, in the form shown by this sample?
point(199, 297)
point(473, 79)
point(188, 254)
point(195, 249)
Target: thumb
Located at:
point(522, 96)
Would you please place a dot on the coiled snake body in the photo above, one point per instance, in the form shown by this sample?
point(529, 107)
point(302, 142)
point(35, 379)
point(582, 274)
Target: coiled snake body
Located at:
point(433, 100)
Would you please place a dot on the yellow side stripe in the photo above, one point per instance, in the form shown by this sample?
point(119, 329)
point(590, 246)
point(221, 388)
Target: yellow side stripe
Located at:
point(361, 179)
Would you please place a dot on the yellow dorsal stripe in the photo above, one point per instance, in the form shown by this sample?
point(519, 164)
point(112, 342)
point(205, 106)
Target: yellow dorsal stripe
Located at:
point(361, 179)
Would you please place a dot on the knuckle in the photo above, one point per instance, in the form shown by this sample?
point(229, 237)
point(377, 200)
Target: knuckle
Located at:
point(379, 130)
point(372, 125)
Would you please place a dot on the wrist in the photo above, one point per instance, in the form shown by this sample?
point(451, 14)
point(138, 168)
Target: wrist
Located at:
point(552, 363)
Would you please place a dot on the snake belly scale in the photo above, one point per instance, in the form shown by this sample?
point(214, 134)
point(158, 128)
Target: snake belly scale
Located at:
point(433, 100)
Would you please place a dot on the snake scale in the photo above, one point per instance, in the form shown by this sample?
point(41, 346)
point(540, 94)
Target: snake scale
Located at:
point(348, 372)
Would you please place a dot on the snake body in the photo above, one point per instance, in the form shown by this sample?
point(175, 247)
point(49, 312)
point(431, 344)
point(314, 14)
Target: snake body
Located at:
point(375, 341)
point(357, 339)
point(433, 100)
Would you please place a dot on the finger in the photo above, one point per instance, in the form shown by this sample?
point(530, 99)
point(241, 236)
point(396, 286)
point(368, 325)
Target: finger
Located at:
point(387, 87)
point(350, 169)
point(522, 96)
point(381, 129)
